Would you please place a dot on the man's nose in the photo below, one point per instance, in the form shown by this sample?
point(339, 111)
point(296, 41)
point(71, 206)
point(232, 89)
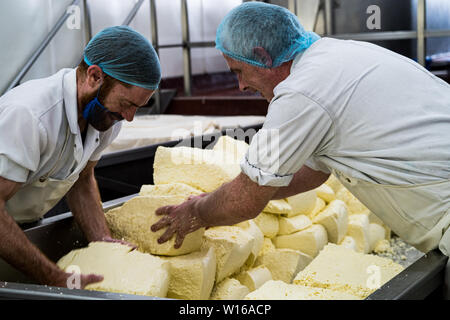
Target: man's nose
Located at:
point(243, 86)
point(129, 114)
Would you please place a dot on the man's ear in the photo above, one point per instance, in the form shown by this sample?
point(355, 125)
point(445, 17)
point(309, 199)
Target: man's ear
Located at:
point(94, 76)
point(263, 56)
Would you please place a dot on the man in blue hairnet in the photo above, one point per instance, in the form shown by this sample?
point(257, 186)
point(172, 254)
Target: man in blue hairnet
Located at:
point(53, 132)
point(376, 120)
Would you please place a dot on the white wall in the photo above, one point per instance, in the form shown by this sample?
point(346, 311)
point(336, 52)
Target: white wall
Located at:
point(23, 26)
point(204, 18)
point(25, 23)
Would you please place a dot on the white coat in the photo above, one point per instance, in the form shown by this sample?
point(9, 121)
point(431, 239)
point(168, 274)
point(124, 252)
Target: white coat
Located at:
point(41, 144)
point(378, 121)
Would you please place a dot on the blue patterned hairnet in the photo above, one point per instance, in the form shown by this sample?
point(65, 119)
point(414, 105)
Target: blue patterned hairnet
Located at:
point(125, 55)
point(256, 24)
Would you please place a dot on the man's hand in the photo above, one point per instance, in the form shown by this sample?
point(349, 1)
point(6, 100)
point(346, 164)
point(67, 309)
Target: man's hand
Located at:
point(198, 197)
point(236, 201)
point(181, 219)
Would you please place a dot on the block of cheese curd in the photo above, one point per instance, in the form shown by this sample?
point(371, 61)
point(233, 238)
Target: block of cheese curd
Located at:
point(280, 206)
point(326, 193)
point(229, 289)
point(376, 233)
point(192, 275)
point(132, 222)
point(335, 219)
point(334, 183)
point(284, 264)
point(205, 170)
point(267, 246)
point(237, 148)
point(294, 224)
point(310, 240)
point(342, 269)
point(302, 203)
point(251, 227)
point(374, 219)
point(268, 223)
point(354, 206)
point(320, 205)
point(254, 277)
point(358, 229)
point(232, 246)
point(124, 270)
point(169, 189)
point(348, 242)
point(279, 290)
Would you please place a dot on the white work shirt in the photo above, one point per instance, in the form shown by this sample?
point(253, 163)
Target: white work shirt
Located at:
point(40, 137)
point(362, 112)
point(361, 109)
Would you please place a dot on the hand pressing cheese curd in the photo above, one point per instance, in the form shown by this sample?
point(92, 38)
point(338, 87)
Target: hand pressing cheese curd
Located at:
point(133, 220)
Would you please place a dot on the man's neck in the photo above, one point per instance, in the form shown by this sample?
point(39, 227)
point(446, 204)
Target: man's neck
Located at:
point(280, 74)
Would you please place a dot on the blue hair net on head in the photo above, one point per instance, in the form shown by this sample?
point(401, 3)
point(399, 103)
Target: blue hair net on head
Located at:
point(260, 25)
point(125, 55)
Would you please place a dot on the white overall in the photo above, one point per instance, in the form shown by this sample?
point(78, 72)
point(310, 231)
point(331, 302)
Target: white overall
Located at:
point(418, 214)
point(34, 200)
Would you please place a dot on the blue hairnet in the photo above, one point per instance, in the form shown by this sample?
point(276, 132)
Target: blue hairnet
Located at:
point(125, 55)
point(256, 24)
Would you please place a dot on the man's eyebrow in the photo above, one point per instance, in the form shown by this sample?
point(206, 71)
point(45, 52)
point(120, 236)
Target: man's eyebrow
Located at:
point(235, 70)
point(133, 104)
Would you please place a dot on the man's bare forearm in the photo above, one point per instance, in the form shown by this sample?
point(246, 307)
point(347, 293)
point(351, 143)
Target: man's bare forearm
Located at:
point(304, 180)
point(236, 201)
point(85, 203)
point(17, 250)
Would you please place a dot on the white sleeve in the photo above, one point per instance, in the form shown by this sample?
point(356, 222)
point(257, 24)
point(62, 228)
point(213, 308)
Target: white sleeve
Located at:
point(22, 139)
point(294, 129)
point(312, 163)
point(106, 138)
